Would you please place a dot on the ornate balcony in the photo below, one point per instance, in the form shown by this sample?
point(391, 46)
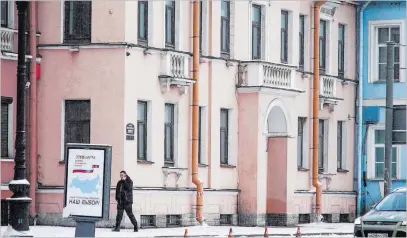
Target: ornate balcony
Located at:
point(7, 39)
point(174, 71)
point(260, 74)
point(327, 91)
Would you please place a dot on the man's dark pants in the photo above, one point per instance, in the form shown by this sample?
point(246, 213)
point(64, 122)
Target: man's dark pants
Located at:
point(129, 211)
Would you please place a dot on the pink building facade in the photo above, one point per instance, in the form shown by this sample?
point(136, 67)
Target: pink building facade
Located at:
point(113, 67)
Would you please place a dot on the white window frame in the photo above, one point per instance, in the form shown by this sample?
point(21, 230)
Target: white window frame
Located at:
point(149, 129)
point(264, 27)
point(179, 16)
point(346, 50)
point(329, 45)
point(176, 128)
point(371, 154)
point(373, 47)
point(344, 145)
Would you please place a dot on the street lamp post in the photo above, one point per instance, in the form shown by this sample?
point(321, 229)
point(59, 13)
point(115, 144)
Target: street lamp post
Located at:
point(19, 203)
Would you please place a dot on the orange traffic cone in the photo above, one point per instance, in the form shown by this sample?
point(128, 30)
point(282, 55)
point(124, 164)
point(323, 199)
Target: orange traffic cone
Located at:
point(266, 233)
point(230, 232)
point(186, 232)
point(298, 234)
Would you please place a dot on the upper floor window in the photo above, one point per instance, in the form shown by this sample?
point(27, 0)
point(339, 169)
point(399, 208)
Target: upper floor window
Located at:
point(341, 50)
point(78, 21)
point(77, 121)
point(169, 135)
point(399, 124)
point(322, 45)
point(142, 130)
point(170, 24)
point(284, 37)
point(225, 28)
point(5, 13)
point(378, 155)
point(385, 34)
point(224, 136)
point(302, 42)
point(143, 22)
point(256, 31)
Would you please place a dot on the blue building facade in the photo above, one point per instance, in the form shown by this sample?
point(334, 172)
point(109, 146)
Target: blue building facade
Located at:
point(380, 21)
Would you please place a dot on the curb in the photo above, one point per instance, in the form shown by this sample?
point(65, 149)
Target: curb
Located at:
point(271, 235)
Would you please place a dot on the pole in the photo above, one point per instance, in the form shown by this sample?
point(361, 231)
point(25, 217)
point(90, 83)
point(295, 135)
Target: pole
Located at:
point(19, 203)
point(388, 141)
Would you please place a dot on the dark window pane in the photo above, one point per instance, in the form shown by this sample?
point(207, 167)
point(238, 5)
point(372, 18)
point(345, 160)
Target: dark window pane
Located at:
point(395, 34)
point(399, 118)
point(4, 13)
point(143, 20)
point(140, 141)
point(379, 154)
point(383, 35)
point(200, 135)
point(170, 23)
point(77, 121)
point(301, 41)
point(379, 136)
point(256, 11)
point(379, 173)
point(383, 54)
point(382, 71)
point(224, 137)
point(225, 27)
point(78, 21)
point(4, 130)
point(321, 145)
point(169, 133)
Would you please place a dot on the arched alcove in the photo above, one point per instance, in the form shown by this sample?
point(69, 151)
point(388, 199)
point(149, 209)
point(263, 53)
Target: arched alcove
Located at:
point(277, 119)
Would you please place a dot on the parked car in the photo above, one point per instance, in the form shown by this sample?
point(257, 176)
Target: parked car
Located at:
point(386, 219)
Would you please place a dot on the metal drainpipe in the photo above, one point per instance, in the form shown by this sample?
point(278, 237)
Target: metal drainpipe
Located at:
point(195, 112)
point(315, 110)
point(33, 107)
point(210, 96)
point(360, 108)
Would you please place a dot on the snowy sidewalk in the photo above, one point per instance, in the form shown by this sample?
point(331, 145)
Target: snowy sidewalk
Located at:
point(313, 230)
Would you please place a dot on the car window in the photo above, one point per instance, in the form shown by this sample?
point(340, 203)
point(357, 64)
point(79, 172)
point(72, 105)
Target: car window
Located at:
point(393, 202)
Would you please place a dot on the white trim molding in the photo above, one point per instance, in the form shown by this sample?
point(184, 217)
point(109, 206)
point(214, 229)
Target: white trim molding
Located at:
point(371, 168)
point(373, 47)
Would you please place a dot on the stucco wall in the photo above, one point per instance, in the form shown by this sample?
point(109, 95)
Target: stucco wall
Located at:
point(97, 75)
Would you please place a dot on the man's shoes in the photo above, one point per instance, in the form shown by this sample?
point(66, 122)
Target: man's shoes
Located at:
point(135, 228)
point(116, 229)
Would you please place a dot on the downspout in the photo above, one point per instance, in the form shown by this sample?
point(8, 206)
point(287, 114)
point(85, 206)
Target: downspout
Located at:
point(315, 111)
point(195, 111)
point(210, 97)
point(33, 108)
point(360, 108)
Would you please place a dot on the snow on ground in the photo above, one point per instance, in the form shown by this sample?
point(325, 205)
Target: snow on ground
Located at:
point(308, 230)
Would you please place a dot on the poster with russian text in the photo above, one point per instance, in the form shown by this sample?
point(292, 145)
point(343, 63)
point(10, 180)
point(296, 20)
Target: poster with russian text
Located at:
point(84, 192)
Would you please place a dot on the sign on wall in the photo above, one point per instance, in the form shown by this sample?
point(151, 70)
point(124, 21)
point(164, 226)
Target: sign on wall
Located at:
point(87, 181)
point(130, 131)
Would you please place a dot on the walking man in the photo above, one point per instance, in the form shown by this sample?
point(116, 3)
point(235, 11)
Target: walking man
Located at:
point(124, 198)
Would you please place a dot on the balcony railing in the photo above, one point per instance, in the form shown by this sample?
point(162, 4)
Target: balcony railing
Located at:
point(259, 73)
point(174, 65)
point(7, 39)
point(174, 70)
point(327, 86)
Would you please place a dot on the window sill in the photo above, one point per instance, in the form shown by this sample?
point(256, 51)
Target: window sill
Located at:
point(203, 165)
point(342, 171)
point(173, 168)
point(227, 166)
point(303, 169)
point(144, 162)
point(6, 159)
